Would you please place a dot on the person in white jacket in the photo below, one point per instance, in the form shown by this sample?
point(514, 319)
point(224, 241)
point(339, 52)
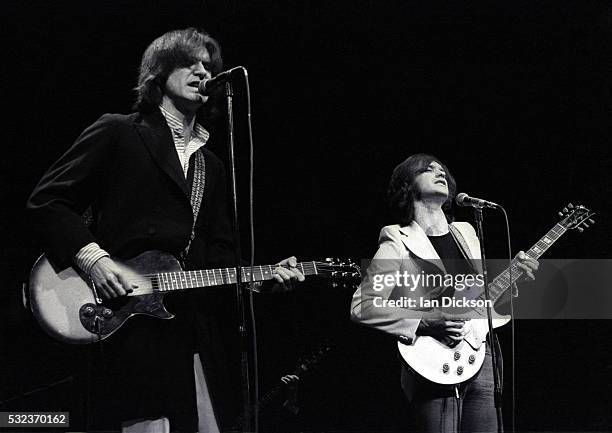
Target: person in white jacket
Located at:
point(427, 241)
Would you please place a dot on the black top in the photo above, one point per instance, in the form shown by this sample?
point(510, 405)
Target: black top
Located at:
point(452, 258)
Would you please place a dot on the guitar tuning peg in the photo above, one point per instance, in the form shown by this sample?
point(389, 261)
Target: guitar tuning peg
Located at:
point(565, 210)
point(591, 220)
point(560, 214)
point(585, 225)
point(580, 229)
point(571, 206)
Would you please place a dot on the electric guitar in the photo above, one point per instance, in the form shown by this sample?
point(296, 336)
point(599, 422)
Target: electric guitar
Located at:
point(449, 363)
point(68, 308)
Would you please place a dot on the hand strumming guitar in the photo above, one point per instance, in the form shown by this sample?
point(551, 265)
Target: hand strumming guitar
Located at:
point(109, 279)
point(442, 326)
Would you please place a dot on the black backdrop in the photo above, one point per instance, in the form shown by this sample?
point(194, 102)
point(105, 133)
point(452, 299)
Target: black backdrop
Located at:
point(513, 96)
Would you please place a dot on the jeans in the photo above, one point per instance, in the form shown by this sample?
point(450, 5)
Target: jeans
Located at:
point(436, 408)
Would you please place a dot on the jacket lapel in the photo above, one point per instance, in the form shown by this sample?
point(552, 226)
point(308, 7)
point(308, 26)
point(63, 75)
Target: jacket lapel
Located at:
point(415, 239)
point(157, 138)
point(471, 256)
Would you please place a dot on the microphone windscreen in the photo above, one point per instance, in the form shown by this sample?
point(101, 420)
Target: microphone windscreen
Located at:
point(460, 199)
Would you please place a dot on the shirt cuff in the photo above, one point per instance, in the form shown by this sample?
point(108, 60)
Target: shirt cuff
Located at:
point(88, 256)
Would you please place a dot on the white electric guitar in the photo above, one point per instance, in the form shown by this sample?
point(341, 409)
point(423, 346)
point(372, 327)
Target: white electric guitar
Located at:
point(449, 363)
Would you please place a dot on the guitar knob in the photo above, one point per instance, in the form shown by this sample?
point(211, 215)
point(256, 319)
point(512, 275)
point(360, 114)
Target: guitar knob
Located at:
point(457, 355)
point(459, 370)
point(107, 312)
point(445, 368)
point(88, 311)
point(472, 359)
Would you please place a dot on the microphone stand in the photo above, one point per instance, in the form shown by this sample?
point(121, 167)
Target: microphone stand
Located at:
point(242, 326)
point(497, 390)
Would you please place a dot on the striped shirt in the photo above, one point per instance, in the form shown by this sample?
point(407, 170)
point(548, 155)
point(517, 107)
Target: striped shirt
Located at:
point(92, 252)
point(199, 137)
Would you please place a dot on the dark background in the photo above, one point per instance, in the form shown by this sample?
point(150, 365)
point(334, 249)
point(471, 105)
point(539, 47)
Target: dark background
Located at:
point(514, 96)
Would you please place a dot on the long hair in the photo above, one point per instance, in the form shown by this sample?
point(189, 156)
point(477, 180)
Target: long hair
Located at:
point(401, 194)
point(175, 49)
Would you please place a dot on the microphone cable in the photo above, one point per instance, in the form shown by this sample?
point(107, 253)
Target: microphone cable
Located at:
point(251, 310)
point(512, 324)
point(252, 253)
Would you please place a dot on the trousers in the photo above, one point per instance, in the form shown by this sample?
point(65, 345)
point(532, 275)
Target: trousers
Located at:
point(467, 408)
point(206, 416)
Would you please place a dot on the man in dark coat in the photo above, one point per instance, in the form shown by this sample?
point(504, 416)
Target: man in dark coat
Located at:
point(151, 185)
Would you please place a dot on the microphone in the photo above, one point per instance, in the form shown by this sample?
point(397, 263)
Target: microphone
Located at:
point(463, 199)
point(207, 87)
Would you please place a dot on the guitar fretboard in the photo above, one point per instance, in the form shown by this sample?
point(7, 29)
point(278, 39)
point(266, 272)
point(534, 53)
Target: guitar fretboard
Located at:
point(502, 282)
point(168, 281)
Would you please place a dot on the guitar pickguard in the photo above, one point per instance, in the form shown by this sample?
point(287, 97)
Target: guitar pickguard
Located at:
point(104, 319)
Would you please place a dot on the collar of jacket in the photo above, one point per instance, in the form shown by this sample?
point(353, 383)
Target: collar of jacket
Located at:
point(415, 240)
point(157, 137)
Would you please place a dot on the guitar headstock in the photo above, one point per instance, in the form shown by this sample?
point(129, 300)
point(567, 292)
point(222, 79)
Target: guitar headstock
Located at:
point(307, 363)
point(316, 356)
point(343, 272)
point(576, 217)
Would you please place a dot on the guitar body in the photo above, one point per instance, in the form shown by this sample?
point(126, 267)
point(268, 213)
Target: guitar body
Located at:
point(449, 364)
point(66, 307)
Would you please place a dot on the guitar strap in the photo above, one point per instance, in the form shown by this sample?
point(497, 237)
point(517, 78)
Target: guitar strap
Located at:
point(197, 194)
point(464, 248)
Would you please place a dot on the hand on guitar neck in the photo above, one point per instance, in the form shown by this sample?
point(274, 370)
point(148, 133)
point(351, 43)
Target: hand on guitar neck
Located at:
point(526, 264)
point(285, 273)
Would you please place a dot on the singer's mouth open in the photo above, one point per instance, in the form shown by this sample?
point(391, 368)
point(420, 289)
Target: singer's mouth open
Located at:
point(194, 84)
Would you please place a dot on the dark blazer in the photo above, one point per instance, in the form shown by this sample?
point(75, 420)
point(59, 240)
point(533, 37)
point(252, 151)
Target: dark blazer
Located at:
point(126, 168)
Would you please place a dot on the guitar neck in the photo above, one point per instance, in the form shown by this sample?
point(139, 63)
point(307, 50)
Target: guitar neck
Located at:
point(276, 390)
point(504, 281)
point(299, 371)
point(170, 281)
